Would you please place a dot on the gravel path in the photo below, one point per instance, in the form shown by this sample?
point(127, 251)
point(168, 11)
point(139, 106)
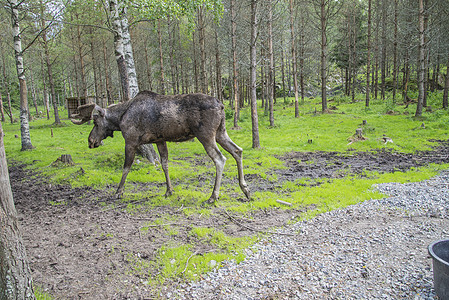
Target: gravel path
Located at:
point(373, 250)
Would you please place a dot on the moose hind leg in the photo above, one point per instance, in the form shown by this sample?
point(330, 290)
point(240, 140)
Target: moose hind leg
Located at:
point(130, 152)
point(225, 141)
point(219, 160)
point(163, 152)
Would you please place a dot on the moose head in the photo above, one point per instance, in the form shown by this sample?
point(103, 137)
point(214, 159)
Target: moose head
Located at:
point(102, 129)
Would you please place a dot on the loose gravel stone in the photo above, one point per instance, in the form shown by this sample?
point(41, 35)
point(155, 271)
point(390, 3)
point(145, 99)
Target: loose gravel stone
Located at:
point(373, 250)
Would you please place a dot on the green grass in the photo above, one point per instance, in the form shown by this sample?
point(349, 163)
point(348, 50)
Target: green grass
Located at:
point(192, 172)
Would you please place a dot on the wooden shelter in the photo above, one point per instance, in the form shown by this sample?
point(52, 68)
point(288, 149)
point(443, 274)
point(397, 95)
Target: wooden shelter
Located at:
point(74, 102)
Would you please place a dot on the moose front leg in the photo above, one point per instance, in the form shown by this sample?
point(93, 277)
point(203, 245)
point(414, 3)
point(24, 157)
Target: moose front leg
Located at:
point(163, 152)
point(130, 152)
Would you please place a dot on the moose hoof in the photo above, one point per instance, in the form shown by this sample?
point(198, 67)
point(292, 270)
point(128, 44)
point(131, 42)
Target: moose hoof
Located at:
point(119, 194)
point(210, 201)
point(168, 194)
point(246, 191)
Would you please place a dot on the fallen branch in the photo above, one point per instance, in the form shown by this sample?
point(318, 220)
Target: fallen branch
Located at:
point(254, 229)
point(195, 253)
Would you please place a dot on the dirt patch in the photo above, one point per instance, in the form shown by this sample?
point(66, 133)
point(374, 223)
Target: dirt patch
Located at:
point(336, 164)
point(80, 249)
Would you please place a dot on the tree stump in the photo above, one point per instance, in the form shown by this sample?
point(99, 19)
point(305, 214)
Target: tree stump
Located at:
point(357, 136)
point(65, 159)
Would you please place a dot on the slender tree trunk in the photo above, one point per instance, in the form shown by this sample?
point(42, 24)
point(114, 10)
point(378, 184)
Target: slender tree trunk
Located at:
point(368, 57)
point(395, 50)
point(15, 273)
point(294, 62)
point(283, 71)
point(49, 67)
point(45, 92)
point(271, 69)
point(201, 34)
point(171, 41)
point(422, 58)
point(446, 86)
point(161, 57)
point(94, 65)
point(302, 54)
point(253, 72)
point(376, 64)
point(1, 107)
point(218, 68)
point(323, 56)
point(33, 93)
point(148, 68)
point(234, 64)
point(383, 61)
point(106, 74)
point(426, 53)
point(354, 55)
point(23, 92)
point(81, 58)
point(5, 83)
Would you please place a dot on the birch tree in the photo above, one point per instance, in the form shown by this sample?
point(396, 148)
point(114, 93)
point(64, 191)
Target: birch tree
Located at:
point(13, 6)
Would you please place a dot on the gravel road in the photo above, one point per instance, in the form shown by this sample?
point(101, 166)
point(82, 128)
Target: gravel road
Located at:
point(373, 250)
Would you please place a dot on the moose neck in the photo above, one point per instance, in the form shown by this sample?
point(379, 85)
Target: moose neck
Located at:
point(114, 115)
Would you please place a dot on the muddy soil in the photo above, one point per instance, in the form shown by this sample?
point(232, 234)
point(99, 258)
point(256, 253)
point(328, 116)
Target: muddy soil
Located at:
point(78, 248)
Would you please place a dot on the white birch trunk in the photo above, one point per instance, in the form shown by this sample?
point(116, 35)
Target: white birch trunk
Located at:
point(24, 124)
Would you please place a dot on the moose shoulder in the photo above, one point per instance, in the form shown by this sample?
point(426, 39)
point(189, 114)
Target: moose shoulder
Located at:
point(153, 118)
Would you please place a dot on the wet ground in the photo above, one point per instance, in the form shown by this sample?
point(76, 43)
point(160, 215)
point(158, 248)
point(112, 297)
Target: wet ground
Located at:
point(80, 249)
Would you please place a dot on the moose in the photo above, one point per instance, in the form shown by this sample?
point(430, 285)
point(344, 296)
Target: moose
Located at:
point(153, 118)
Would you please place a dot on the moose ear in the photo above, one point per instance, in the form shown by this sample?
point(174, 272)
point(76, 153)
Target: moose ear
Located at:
point(101, 111)
point(85, 114)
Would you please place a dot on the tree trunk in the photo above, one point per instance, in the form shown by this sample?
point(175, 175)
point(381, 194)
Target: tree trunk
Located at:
point(81, 57)
point(302, 54)
point(119, 48)
point(125, 62)
point(421, 63)
point(15, 273)
point(271, 85)
point(1, 107)
point(235, 65)
point(33, 94)
point(161, 57)
point(368, 57)
point(128, 53)
point(44, 92)
point(5, 83)
point(201, 34)
point(148, 68)
point(23, 92)
point(283, 72)
point(106, 74)
point(294, 62)
point(383, 61)
point(171, 42)
point(323, 56)
point(446, 87)
point(253, 71)
point(94, 65)
point(218, 68)
point(395, 50)
point(49, 68)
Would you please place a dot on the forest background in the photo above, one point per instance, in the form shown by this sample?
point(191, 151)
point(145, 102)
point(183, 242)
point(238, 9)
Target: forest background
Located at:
point(271, 62)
